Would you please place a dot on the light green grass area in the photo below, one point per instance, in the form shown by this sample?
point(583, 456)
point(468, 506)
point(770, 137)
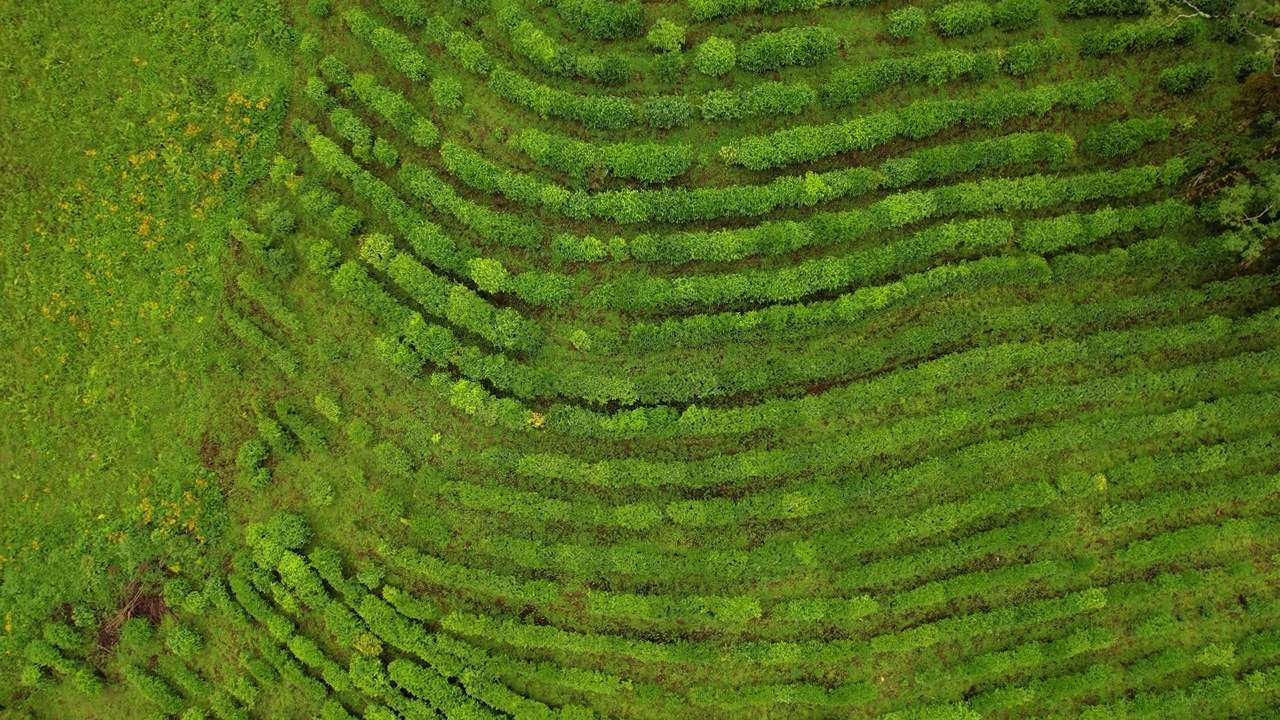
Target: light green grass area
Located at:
point(503, 358)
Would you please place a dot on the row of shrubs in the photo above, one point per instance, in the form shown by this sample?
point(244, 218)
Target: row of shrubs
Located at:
point(919, 120)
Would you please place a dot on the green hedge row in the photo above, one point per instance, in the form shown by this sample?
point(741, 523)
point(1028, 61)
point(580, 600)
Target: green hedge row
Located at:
point(251, 335)
point(399, 52)
point(919, 120)
point(1047, 403)
point(395, 109)
point(979, 197)
point(983, 462)
point(1137, 37)
point(978, 366)
point(850, 86)
point(803, 46)
point(710, 9)
point(964, 238)
point(429, 240)
point(647, 162)
point(680, 205)
point(269, 301)
point(762, 100)
point(598, 112)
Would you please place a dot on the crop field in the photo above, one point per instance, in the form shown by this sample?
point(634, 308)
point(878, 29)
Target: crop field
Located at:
point(652, 360)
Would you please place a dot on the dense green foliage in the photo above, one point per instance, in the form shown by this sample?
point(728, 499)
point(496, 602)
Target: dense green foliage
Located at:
point(584, 359)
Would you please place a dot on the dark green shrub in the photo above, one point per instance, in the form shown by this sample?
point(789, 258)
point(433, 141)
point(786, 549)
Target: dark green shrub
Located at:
point(664, 113)
point(802, 46)
point(1186, 78)
point(669, 66)
point(136, 633)
point(446, 91)
point(1123, 138)
point(184, 642)
point(666, 36)
point(906, 23)
point(715, 56)
point(602, 19)
point(1011, 15)
point(322, 256)
point(963, 18)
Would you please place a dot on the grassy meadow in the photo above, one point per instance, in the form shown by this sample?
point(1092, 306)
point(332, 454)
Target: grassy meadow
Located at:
point(704, 359)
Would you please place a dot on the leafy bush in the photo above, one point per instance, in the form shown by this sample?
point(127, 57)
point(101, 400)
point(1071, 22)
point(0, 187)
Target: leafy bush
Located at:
point(322, 256)
point(86, 681)
point(1186, 78)
point(317, 91)
point(153, 689)
point(251, 455)
point(664, 113)
point(666, 36)
point(412, 12)
point(1028, 57)
point(446, 91)
point(608, 69)
point(963, 18)
point(603, 19)
point(63, 637)
point(469, 52)
point(1012, 15)
point(808, 45)
point(345, 220)
point(768, 99)
point(328, 406)
point(1113, 8)
point(1117, 139)
point(1135, 37)
point(669, 66)
point(288, 530)
point(385, 153)
point(715, 56)
point(396, 49)
point(906, 23)
point(395, 109)
point(184, 642)
point(377, 249)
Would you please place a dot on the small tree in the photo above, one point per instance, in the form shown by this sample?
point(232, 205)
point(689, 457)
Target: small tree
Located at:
point(1250, 208)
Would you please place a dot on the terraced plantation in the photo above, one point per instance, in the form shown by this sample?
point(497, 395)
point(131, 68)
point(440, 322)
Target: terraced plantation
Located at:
point(653, 360)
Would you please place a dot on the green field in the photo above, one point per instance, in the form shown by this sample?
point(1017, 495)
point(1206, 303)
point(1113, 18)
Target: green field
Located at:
point(705, 359)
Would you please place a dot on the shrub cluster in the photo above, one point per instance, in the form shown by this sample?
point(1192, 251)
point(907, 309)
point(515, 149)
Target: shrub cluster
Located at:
point(1186, 78)
point(599, 112)
point(1136, 37)
point(963, 17)
point(808, 45)
point(399, 52)
point(919, 120)
point(767, 99)
point(647, 162)
point(603, 19)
